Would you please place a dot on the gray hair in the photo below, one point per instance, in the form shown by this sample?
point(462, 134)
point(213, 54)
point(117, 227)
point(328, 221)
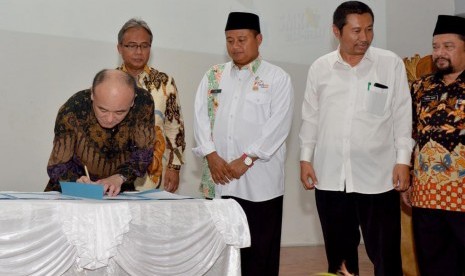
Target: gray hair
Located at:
point(133, 23)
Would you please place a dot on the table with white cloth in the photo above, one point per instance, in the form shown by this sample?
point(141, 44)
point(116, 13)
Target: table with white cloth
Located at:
point(113, 237)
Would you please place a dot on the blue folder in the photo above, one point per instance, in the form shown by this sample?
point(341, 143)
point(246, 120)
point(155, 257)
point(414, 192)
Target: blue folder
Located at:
point(93, 191)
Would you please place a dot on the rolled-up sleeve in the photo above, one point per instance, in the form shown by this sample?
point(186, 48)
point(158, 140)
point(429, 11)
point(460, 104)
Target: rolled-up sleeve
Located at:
point(278, 125)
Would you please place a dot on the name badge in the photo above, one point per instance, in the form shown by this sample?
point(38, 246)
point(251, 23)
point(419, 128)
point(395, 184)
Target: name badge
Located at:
point(429, 98)
point(215, 91)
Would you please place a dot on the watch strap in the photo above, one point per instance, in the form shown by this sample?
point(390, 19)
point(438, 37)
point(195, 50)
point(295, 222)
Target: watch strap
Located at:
point(244, 157)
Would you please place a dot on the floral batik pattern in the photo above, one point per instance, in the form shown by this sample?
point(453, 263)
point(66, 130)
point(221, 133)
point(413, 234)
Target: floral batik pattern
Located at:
point(207, 186)
point(439, 156)
point(80, 141)
point(169, 124)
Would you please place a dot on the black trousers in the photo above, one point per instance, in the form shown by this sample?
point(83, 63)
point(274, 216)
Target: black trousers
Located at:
point(439, 241)
point(377, 215)
point(265, 221)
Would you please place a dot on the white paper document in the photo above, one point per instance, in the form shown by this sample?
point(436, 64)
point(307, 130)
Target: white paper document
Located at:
point(144, 195)
point(158, 194)
point(33, 195)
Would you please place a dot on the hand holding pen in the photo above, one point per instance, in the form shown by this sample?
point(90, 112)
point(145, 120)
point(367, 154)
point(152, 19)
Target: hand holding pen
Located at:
point(85, 178)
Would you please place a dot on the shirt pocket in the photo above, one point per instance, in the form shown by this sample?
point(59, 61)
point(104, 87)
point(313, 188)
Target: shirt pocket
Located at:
point(257, 107)
point(375, 100)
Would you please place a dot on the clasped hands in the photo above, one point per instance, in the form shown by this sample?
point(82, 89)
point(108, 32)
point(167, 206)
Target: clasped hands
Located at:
point(223, 172)
point(111, 184)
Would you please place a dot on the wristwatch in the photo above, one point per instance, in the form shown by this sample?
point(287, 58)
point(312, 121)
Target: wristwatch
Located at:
point(122, 177)
point(247, 160)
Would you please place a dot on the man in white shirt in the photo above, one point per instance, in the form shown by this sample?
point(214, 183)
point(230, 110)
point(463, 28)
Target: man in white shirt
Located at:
point(243, 114)
point(356, 143)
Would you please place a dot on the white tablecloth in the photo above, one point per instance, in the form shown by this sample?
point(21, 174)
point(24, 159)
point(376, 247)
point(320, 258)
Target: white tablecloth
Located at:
point(156, 237)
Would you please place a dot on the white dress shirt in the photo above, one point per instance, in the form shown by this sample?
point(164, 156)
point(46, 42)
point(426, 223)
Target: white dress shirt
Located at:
point(354, 130)
point(254, 116)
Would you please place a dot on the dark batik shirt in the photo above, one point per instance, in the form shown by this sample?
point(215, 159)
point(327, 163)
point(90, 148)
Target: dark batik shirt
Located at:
point(439, 130)
point(169, 124)
point(126, 149)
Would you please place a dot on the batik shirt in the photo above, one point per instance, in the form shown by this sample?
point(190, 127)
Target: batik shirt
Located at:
point(169, 124)
point(126, 149)
point(439, 130)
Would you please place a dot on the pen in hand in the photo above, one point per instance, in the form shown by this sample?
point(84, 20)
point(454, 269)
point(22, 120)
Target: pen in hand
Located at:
point(87, 172)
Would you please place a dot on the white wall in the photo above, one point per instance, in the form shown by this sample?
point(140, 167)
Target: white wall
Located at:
point(411, 23)
point(51, 49)
point(460, 7)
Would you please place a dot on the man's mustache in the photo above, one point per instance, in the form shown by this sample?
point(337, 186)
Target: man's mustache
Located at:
point(441, 58)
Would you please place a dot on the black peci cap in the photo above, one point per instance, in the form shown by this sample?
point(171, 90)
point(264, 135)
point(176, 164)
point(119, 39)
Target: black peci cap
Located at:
point(450, 24)
point(243, 20)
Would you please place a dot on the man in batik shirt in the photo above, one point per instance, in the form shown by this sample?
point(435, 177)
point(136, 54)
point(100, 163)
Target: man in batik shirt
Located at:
point(108, 130)
point(438, 194)
point(134, 42)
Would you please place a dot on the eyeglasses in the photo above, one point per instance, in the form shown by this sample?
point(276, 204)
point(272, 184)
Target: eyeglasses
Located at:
point(134, 46)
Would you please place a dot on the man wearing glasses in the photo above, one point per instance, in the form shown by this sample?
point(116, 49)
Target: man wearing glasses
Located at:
point(134, 42)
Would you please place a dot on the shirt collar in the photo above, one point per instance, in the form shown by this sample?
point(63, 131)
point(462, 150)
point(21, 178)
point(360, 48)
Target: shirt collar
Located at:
point(252, 67)
point(146, 70)
point(461, 77)
point(438, 76)
point(337, 58)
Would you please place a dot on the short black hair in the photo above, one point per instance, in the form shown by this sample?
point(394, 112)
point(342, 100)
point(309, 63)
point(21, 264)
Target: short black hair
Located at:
point(349, 7)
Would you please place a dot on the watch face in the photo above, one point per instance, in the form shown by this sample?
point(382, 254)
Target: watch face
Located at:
point(248, 161)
